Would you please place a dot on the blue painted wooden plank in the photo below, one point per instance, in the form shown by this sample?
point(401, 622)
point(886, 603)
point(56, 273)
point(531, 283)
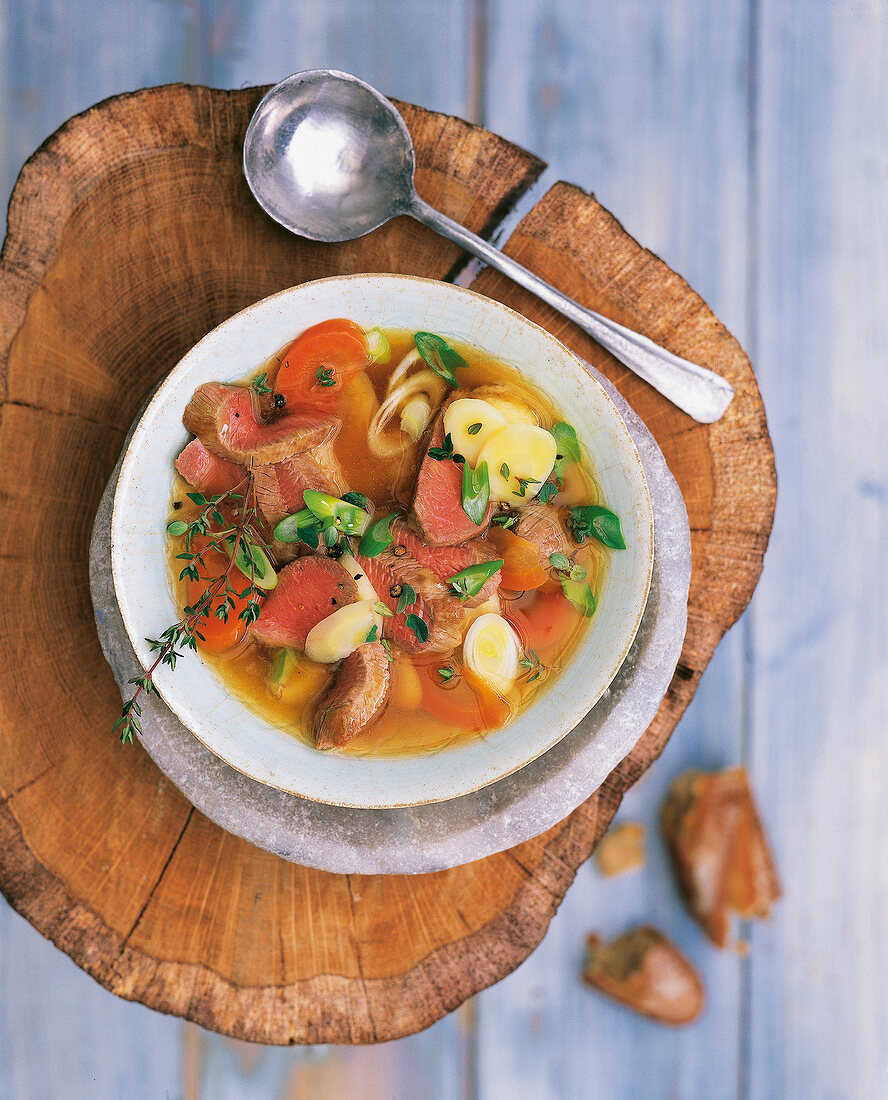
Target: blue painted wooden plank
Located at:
point(818, 1019)
point(417, 50)
point(65, 1037)
point(647, 107)
point(61, 56)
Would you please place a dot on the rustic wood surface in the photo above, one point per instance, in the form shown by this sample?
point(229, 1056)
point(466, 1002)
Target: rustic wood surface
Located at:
point(101, 854)
point(743, 141)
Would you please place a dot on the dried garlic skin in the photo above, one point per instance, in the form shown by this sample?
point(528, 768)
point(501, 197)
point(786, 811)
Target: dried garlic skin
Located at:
point(621, 849)
point(718, 845)
point(645, 971)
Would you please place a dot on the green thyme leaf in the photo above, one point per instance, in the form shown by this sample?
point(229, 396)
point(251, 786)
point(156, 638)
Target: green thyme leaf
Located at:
point(549, 490)
point(371, 635)
point(568, 449)
point(419, 627)
point(324, 377)
point(407, 598)
point(358, 499)
point(388, 649)
point(380, 608)
point(260, 384)
point(473, 429)
point(177, 527)
point(446, 674)
point(505, 472)
point(440, 356)
point(439, 454)
point(596, 521)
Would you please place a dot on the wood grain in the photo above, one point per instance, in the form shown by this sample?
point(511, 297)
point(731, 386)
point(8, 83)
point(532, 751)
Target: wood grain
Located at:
point(144, 196)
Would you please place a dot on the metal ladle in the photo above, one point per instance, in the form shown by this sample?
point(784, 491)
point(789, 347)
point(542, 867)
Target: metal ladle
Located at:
point(330, 158)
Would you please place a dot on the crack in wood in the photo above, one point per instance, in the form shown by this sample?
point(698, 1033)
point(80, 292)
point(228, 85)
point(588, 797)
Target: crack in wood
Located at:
point(17, 403)
point(125, 942)
point(7, 798)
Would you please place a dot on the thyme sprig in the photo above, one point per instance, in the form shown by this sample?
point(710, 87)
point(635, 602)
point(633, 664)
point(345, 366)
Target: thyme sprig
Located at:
point(238, 541)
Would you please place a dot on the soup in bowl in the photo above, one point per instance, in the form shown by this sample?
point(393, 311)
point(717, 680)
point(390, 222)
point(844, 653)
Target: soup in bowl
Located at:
point(408, 539)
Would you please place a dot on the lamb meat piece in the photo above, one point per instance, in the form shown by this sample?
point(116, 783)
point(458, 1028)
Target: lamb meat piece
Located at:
point(435, 604)
point(541, 524)
point(356, 699)
point(645, 971)
point(280, 487)
point(225, 419)
point(719, 849)
point(437, 511)
point(308, 590)
point(445, 561)
point(207, 472)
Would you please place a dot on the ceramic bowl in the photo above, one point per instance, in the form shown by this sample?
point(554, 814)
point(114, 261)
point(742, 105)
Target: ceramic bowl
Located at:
point(195, 694)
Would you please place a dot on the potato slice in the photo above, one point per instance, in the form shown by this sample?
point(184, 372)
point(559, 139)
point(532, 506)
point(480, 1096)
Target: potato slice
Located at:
point(340, 634)
point(519, 458)
point(469, 422)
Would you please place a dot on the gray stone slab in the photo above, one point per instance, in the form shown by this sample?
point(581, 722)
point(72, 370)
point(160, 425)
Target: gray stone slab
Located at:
point(418, 839)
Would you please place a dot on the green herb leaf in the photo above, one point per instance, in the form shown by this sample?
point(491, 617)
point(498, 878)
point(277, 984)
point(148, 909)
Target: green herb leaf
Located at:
point(598, 522)
point(335, 511)
point(473, 429)
point(568, 449)
point(446, 673)
point(388, 649)
point(506, 520)
point(407, 598)
point(470, 581)
point(444, 451)
point(549, 490)
point(580, 595)
point(523, 482)
point(560, 561)
point(440, 356)
point(475, 492)
point(419, 627)
point(260, 384)
point(371, 635)
point(505, 472)
point(377, 538)
point(324, 377)
point(177, 527)
point(380, 608)
point(358, 499)
point(198, 498)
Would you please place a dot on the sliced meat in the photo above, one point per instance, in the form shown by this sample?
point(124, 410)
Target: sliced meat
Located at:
point(207, 472)
point(445, 561)
point(226, 421)
point(280, 487)
point(357, 698)
point(541, 525)
point(307, 591)
point(437, 503)
point(441, 611)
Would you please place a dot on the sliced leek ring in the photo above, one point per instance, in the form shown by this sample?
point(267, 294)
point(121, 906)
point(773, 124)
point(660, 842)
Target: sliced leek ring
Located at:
point(340, 634)
point(469, 423)
point(519, 458)
point(491, 650)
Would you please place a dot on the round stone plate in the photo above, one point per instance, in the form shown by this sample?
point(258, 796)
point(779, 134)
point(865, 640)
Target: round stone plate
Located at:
point(437, 835)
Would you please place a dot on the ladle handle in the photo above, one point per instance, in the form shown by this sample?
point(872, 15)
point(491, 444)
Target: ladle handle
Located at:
point(699, 392)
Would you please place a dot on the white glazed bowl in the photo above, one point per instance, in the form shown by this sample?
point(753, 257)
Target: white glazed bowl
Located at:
point(196, 695)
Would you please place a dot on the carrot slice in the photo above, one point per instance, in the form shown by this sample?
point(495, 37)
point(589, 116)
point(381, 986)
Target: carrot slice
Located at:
point(454, 703)
point(317, 365)
point(546, 619)
point(218, 636)
point(521, 570)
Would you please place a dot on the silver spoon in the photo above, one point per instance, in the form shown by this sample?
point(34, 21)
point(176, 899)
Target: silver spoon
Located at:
point(330, 158)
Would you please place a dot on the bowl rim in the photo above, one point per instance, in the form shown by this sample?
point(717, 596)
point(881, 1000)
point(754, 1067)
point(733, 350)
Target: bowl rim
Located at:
point(160, 397)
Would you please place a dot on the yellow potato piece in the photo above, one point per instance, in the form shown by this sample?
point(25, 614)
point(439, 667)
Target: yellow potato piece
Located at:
point(470, 413)
point(513, 454)
point(340, 634)
point(406, 690)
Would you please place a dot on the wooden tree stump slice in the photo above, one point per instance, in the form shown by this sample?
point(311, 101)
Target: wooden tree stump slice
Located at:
point(131, 234)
